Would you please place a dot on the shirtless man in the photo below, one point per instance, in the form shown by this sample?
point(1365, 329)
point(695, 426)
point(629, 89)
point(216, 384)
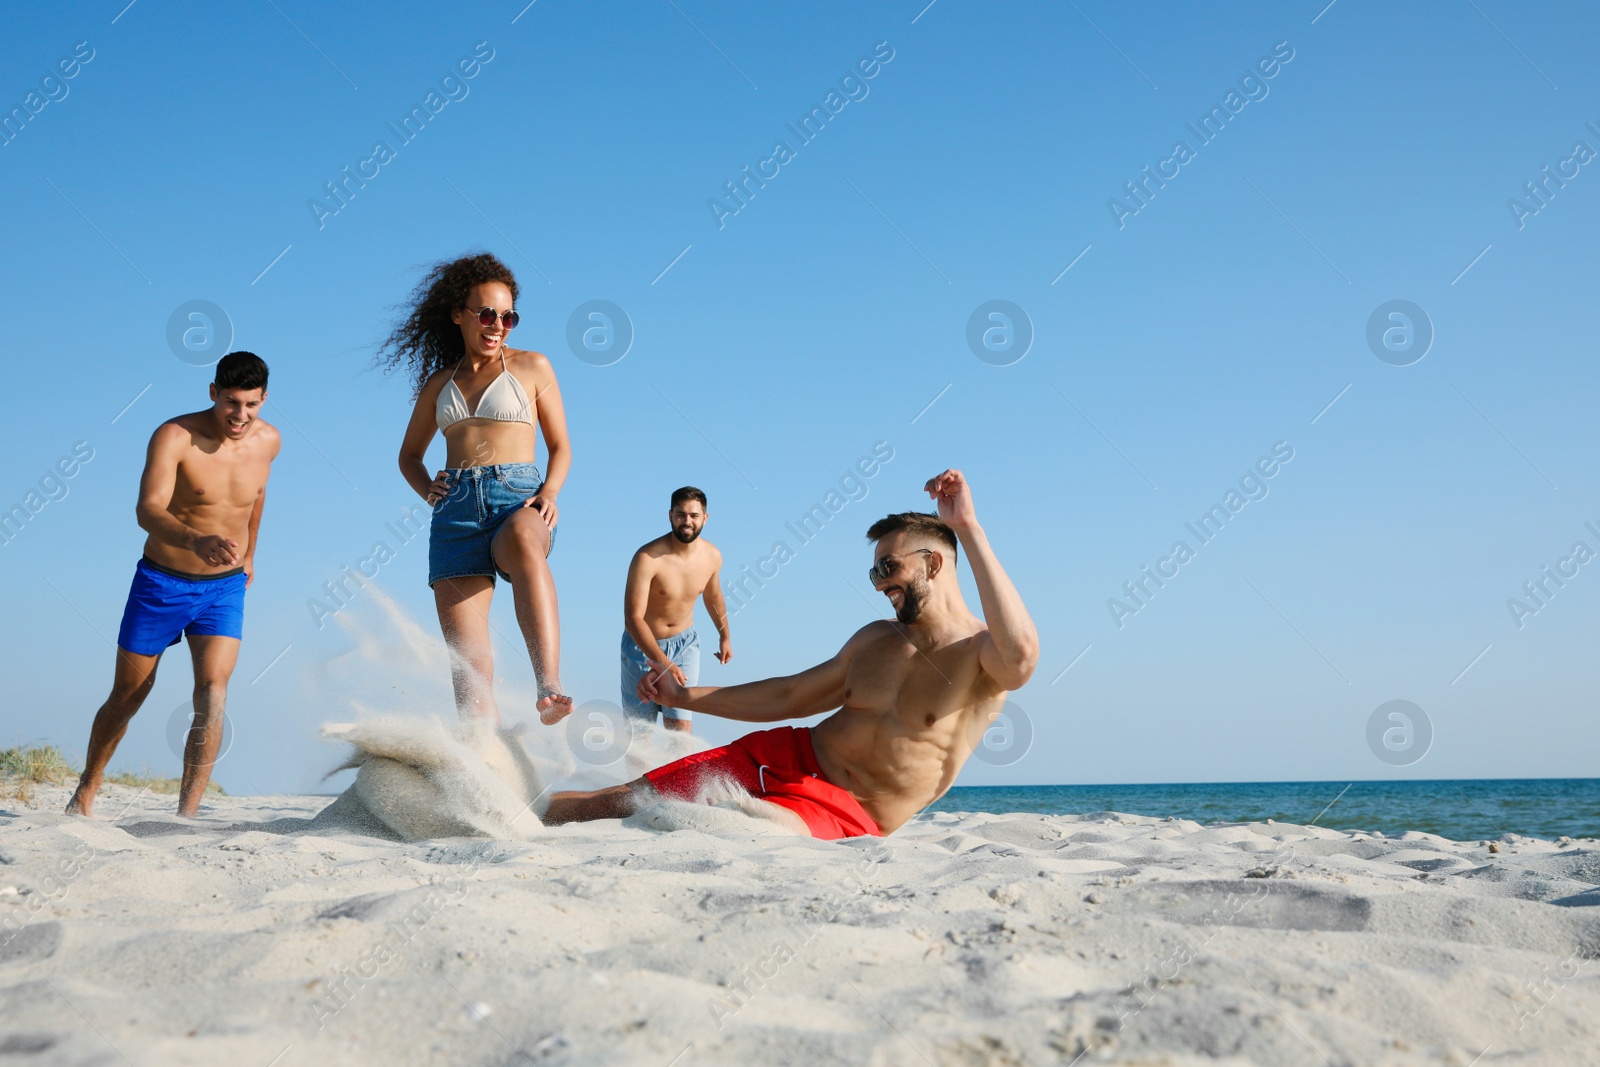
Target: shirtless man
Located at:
point(200, 500)
point(913, 696)
point(664, 580)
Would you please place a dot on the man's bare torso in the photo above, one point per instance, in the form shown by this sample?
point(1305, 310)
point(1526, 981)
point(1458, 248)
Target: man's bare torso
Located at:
point(677, 578)
point(217, 486)
point(909, 720)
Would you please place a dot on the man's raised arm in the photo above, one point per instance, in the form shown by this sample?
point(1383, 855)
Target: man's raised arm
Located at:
point(1012, 651)
point(795, 696)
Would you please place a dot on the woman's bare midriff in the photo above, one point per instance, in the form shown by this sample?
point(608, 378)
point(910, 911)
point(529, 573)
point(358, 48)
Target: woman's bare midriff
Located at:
point(483, 442)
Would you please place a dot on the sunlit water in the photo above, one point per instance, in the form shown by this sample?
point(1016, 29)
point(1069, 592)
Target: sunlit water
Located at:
point(1464, 810)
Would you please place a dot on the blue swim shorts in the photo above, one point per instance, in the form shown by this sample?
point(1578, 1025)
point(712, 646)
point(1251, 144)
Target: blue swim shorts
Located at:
point(475, 506)
point(682, 649)
point(164, 603)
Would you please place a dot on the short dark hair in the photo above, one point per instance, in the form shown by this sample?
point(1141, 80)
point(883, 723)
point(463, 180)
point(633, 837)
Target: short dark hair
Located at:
point(914, 522)
point(241, 370)
point(688, 492)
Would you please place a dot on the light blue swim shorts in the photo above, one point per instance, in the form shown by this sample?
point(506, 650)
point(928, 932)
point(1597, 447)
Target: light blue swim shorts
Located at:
point(682, 649)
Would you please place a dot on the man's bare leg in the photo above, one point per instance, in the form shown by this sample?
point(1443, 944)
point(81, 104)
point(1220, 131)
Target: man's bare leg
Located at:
point(214, 660)
point(463, 605)
point(131, 683)
point(520, 549)
point(615, 802)
point(676, 725)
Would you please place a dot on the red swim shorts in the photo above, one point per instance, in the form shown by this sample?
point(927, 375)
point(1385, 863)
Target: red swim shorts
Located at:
point(778, 766)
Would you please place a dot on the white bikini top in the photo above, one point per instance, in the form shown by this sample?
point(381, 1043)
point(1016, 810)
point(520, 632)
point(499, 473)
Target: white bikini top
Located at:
point(504, 401)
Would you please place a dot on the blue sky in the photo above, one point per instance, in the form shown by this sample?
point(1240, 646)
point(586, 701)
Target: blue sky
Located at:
point(772, 351)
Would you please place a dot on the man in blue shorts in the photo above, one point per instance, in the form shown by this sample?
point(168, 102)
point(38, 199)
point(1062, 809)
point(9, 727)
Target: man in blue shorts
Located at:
point(200, 501)
point(665, 578)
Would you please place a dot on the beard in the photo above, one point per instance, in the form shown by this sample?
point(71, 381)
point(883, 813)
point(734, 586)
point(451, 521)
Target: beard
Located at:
point(686, 538)
point(912, 596)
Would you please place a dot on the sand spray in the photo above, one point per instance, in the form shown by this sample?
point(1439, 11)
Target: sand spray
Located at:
point(425, 773)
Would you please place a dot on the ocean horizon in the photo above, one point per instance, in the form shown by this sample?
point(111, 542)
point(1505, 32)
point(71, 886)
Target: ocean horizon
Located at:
point(1461, 809)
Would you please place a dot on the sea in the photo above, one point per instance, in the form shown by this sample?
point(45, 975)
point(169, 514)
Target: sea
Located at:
point(1464, 810)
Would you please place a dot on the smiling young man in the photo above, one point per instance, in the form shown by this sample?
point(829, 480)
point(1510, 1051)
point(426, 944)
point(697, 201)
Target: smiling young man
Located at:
point(200, 501)
point(665, 578)
point(913, 695)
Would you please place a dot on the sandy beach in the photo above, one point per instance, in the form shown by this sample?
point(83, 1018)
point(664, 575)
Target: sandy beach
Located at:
point(290, 930)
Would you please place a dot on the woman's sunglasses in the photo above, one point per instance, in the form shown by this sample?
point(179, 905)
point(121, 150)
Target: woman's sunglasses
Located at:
point(880, 571)
point(487, 316)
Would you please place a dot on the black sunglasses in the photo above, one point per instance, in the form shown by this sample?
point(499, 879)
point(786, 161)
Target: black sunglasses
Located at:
point(880, 571)
point(487, 316)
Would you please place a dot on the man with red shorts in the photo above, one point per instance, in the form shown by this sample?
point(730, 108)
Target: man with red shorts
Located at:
point(911, 698)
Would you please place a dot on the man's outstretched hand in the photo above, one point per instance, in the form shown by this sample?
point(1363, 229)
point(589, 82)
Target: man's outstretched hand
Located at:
point(660, 687)
point(954, 499)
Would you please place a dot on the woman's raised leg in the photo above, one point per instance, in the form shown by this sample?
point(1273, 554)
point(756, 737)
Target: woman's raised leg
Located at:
point(520, 549)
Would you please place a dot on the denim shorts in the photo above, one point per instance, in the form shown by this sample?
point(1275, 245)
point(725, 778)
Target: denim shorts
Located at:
point(475, 504)
point(682, 649)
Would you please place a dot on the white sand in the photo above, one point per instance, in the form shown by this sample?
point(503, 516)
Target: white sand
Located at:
point(278, 927)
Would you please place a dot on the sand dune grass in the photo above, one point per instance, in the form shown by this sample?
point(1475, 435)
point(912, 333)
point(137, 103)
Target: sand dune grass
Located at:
point(23, 768)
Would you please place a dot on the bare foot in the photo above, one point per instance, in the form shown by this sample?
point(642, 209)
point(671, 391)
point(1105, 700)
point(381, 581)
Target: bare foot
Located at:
point(82, 802)
point(553, 705)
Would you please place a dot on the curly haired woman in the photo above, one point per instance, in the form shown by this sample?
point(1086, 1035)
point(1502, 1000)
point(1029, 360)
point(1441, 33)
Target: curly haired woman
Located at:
point(493, 512)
